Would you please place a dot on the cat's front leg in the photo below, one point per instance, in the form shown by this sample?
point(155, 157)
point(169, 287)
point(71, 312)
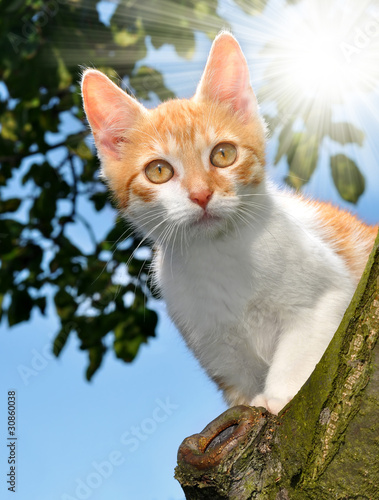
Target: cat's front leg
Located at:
point(299, 349)
point(293, 363)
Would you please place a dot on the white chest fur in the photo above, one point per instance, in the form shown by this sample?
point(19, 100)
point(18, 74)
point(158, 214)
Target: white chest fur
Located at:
point(242, 300)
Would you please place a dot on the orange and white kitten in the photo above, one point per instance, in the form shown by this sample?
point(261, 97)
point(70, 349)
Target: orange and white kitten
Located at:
point(256, 279)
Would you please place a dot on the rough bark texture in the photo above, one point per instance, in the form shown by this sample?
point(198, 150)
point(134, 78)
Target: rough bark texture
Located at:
point(323, 445)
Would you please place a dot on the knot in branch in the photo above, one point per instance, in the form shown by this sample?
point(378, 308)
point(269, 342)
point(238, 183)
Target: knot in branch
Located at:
point(217, 441)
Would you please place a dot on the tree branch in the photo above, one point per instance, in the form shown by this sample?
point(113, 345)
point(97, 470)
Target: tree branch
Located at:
point(323, 445)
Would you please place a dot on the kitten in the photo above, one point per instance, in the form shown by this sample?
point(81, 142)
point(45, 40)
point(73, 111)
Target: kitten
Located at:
point(256, 279)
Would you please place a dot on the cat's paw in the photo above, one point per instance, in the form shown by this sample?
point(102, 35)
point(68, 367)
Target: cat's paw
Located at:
point(273, 405)
point(259, 400)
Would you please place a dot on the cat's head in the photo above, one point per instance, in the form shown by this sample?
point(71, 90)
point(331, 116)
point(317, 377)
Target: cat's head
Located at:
point(187, 165)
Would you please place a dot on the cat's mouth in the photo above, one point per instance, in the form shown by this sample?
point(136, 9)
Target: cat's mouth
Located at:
point(207, 219)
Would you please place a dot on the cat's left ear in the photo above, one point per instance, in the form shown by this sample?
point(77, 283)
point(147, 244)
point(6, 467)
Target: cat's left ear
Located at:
point(226, 77)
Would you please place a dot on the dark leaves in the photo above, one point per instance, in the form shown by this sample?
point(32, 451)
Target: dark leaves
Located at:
point(62, 336)
point(44, 150)
point(96, 354)
point(146, 80)
point(138, 325)
point(10, 205)
point(40, 302)
point(65, 304)
point(20, 307)
point(99, 200)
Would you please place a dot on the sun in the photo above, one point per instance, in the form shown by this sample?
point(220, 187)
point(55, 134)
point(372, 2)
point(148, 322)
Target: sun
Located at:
point(316, 67)
point(323, 54)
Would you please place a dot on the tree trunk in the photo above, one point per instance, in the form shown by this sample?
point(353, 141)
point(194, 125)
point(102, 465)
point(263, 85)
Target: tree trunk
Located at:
point(325, 442)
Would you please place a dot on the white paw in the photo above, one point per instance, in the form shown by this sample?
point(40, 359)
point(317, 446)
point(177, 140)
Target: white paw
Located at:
point(273, 405)
point(259, 400)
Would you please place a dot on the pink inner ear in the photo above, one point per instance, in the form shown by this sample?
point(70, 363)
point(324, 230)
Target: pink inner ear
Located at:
point(110, 111)
point(226, 76)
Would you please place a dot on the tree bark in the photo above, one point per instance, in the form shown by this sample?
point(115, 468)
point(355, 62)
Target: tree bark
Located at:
point(325, 442)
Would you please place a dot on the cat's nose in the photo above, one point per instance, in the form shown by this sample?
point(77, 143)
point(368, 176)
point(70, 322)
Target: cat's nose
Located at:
point(201, 197)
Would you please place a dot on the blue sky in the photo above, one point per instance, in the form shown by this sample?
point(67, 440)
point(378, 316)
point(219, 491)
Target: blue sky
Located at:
point(117, 437)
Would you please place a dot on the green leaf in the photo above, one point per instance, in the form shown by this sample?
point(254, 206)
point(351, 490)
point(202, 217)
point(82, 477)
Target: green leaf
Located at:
point(65, 304)
point(125, 38)
point(16, 4)
point(20, 307)
point(347, 178)
point(134, 331)
point(285, 141)
point(302, 158)
point(41, 304)
point(252, 8)
point(185, 45)
point(96, 354)
point(99, 200)
point(345, 133)
point(1, 305)
point(61, 338)
point(10, 205)
point(64, 75)
point(128, 349)
point(8, 126)
point(82, 150)
point(147, 80)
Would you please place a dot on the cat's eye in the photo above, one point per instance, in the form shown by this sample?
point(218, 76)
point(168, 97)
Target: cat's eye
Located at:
point(159, 171)
point(223, 155)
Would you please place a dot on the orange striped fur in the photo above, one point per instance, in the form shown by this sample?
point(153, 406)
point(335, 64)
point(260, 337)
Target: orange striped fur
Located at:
point(184, 128)
point(351, 238)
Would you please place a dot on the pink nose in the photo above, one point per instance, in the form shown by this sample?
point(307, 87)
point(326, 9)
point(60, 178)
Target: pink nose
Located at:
point(201, 197)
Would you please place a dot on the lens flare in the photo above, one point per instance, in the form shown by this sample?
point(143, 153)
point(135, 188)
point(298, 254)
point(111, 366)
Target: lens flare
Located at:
point(322, 52)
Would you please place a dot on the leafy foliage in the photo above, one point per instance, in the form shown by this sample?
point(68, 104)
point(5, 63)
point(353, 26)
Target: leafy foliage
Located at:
point(49, 170)
point(40, 60)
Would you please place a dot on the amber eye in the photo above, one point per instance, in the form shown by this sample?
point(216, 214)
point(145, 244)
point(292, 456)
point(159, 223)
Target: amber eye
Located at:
point(223, 155)
point(159, 171)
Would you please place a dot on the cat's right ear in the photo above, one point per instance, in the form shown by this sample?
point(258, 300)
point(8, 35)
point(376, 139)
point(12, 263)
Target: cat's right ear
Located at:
point(226, 77)
point(110, 112)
